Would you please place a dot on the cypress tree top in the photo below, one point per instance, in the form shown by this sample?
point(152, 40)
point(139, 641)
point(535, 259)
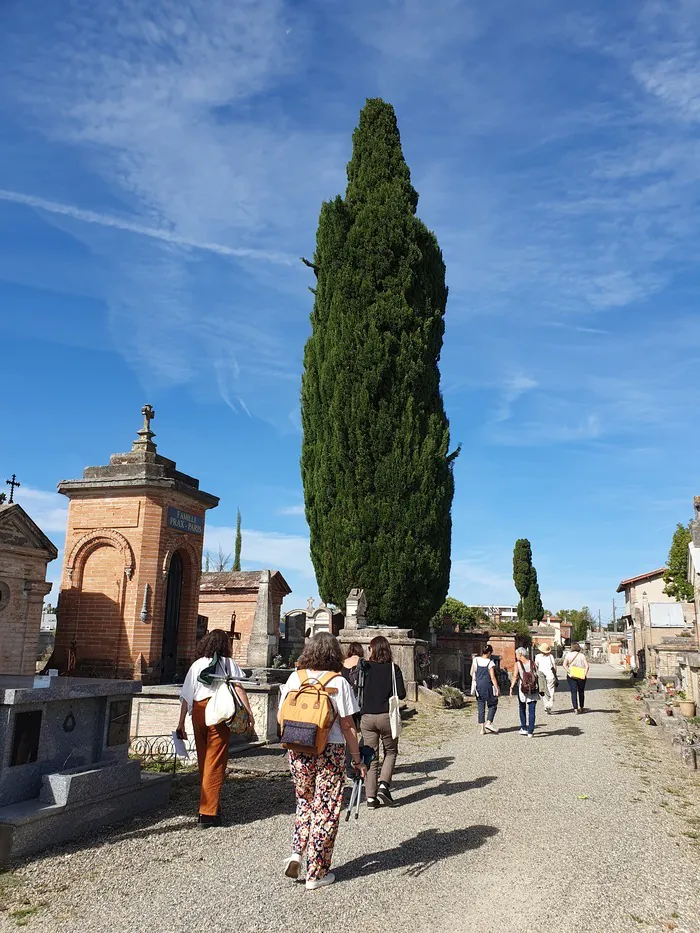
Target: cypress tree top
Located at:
point(377, 477)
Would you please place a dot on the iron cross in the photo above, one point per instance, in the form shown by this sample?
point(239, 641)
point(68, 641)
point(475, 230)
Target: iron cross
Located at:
point(13, 484)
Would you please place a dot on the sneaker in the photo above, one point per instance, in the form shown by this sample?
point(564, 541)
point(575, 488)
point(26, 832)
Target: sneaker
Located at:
point(292, 866)
point(578, 711)
point(489, 726)
point(384, 797)
point(530, 735)
point(372, 803)
point(483, 729)
point(320, 882)
point(522, 732)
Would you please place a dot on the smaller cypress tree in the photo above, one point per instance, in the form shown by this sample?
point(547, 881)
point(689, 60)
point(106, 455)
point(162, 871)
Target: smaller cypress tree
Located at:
point(676, 572)
point(239, 541)
point(530, 606)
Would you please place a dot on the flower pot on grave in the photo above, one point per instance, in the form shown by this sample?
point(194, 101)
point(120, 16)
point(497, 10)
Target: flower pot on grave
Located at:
point(687, 708)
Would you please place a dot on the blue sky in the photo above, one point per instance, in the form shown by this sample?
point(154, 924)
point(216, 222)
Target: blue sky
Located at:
point(162, 166)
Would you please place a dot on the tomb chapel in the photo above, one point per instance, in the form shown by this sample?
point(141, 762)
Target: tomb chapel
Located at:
point(25, 552)
point(132, 567)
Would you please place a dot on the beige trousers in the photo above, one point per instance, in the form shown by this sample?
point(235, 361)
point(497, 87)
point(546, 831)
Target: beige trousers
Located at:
point(374, 729)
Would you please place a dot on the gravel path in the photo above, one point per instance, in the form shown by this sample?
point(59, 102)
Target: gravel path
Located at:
point(591, 826)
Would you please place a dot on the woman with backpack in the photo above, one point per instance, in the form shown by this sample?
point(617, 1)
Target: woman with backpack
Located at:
point(382, 680)
point(213, 651)
point(318, 769)
point(525, 677)
point(577, 667)
point(485, 687)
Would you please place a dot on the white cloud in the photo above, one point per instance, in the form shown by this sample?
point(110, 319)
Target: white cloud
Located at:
point(106, 220)
point(515, 387)
point(265, 549)
point(48, 509)
point(292, 510)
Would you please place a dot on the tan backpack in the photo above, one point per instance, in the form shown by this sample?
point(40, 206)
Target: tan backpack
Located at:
point(307, 714)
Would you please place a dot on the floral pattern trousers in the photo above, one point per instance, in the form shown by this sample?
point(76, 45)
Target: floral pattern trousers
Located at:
point(319, 782)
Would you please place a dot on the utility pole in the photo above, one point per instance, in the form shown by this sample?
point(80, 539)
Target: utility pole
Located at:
point(599, 622)
point(614, 619)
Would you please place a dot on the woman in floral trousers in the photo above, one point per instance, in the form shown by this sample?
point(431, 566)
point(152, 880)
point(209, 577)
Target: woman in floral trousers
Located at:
point(319, 780)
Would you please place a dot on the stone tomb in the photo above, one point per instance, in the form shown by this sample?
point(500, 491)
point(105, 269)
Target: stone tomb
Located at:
point(24, 553)
point(64, 766)
point(235, 600)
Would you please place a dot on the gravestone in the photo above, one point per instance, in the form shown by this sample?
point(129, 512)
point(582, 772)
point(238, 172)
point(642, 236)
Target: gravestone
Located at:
point(355, 609)
point(405, 647)
point(25, 552)
point(133, 556)
point(64, 766)
point(264, 636)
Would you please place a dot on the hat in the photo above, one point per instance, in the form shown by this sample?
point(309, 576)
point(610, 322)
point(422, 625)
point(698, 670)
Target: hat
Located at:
point(545, 649)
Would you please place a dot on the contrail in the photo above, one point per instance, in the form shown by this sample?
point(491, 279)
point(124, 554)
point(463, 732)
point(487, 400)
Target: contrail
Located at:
point(107, 220)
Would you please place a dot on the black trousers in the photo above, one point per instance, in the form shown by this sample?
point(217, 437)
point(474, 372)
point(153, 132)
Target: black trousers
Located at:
point(578, 691)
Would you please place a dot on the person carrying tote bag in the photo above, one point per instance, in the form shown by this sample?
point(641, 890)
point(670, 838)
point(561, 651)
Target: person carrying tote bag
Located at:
point(213, 676)
point(381, 719)
point(577, 667)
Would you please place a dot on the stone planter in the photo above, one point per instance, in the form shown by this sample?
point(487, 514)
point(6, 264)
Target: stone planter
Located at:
point(687, 707)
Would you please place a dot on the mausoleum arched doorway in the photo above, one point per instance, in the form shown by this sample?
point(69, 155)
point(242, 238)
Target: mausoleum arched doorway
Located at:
point(171, 620)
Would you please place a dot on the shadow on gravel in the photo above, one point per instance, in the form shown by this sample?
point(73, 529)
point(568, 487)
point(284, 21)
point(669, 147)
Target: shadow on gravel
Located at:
point(605, 683)
point(446, 789)
point(427, 767)
point(419, 854)
point(569, 730)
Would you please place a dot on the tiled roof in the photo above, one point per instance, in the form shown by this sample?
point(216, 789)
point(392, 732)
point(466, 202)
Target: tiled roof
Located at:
point(642, 576)
point(239, 579)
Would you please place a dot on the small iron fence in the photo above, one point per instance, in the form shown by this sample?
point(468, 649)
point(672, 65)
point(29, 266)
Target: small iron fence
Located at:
point(157, 753)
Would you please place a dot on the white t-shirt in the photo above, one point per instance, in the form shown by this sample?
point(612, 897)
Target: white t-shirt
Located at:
point(479, 662)
point(572, 656)
point(344, 701)
point(546, 664)
point(193, 690)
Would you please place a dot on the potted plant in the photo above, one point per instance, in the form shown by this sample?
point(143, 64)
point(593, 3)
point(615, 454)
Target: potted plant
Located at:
point(687, 707)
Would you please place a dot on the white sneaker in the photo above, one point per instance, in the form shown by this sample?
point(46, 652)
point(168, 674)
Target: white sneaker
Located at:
point(292, 866)
point(522, 732)
point(490, 728)
point(320, 882)
point(530, 735)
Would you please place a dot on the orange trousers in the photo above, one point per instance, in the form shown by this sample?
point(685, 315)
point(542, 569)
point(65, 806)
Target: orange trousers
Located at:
point(212, 755)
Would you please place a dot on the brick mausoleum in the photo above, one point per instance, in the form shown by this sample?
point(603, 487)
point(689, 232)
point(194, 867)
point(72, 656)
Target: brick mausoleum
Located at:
point(228, 601)
point(132, 566)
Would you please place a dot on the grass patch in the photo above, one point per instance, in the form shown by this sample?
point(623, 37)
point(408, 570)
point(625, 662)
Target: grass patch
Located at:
point(23, 915)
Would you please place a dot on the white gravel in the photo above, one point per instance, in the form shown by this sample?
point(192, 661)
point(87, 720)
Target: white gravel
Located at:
point(579, 829)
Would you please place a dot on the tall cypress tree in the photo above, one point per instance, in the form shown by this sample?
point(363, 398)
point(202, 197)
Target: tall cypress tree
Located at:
point(530, 607)
point(377, 476)
point(239, 541)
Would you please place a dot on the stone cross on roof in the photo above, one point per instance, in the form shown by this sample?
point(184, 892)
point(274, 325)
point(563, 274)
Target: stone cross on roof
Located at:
point(145, 435)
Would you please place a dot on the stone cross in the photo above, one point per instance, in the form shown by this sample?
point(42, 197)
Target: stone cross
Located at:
point(145, 435)
point(13, 484)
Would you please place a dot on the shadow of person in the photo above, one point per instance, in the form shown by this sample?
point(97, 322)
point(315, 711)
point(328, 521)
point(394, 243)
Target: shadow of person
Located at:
point(419, 854)
point(446, 788)
point(427, 766)
point(569, 730)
